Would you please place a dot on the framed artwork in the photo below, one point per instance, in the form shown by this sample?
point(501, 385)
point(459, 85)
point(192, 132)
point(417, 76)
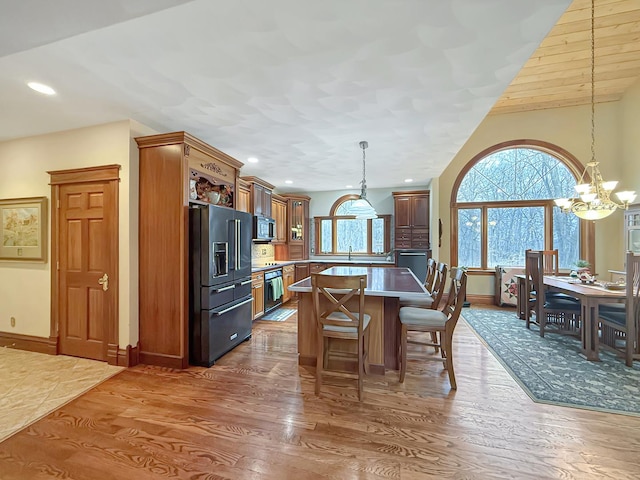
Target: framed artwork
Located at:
point(23, 229)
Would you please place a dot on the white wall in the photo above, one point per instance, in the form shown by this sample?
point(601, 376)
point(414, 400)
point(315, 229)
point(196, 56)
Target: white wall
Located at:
point(25, 289)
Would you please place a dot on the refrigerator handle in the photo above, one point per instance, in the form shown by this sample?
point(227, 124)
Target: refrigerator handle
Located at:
point(238, 244)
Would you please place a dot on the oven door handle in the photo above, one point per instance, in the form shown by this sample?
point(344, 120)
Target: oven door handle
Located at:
point(221, 312)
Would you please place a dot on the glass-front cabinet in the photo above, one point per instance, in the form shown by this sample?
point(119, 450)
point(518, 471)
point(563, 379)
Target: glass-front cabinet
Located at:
point(632, 229)
point(297, 221)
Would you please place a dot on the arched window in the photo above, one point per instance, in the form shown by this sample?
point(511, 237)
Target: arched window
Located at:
point(340, 233)
point(502, 204)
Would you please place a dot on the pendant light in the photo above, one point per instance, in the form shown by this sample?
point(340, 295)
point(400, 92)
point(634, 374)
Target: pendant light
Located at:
point(361, 207)
point(593, 200)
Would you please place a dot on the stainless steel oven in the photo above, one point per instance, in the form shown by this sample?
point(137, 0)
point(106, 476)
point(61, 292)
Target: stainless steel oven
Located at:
point(273, 289)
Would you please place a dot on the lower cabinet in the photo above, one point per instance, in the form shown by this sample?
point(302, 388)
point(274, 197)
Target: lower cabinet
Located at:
point(319, 267)
point(257, 289)
point(288, 278)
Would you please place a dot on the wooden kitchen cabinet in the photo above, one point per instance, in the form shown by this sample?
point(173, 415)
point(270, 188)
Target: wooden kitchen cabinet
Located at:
point(261, 192)
point(257, 290)
point(318, 267)
point(170, 163)
point(297, 245)
point(411, 219)
point(302, 271)
point(279, 212)
point(243, 196)
point(288, 278)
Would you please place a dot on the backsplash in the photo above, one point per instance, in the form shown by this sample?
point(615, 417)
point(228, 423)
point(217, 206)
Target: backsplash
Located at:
point(262, 252)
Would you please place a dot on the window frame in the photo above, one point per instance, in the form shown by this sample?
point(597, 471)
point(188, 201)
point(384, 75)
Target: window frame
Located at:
point(587, 228)
point(334, 230)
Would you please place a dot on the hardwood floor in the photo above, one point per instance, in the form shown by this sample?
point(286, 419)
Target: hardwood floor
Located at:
point(254, 415)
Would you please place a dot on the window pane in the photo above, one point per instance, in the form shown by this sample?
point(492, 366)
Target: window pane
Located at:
point(469, 235)
point(516, 174)
point(344, 207)
point(566, 238)
point(511, 231)
point(326, 233)
point(351, 233)
point(377, 240)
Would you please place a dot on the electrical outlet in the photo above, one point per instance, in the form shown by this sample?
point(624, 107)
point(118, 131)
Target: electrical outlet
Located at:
point(13, 321)
point(264, 251)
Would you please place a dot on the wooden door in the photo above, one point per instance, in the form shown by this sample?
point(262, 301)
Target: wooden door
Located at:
point(86, 254)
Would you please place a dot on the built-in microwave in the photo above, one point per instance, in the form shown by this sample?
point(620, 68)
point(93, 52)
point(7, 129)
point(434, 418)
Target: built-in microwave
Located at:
point(264, 228)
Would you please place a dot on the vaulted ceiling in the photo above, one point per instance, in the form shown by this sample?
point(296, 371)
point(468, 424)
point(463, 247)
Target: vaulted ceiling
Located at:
point(298, 83)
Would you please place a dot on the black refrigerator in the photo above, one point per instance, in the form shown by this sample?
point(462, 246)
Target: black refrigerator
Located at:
point(220, 284)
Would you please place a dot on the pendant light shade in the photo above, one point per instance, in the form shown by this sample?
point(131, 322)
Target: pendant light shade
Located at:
point(361, 207)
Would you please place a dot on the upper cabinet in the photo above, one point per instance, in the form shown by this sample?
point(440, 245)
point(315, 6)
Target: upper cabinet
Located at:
point(297, 234)
point(279, 214)
point(261, 192)
point(632, 229)
point(411, 219)
point(243, 196)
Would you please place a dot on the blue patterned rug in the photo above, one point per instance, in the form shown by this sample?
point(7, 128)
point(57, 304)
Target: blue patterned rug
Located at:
point(551, 370)
point(279, 315)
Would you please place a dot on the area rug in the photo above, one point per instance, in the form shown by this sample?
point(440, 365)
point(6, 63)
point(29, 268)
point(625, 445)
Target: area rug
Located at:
point(32, 385)
point(551, 369)
point(279, 315)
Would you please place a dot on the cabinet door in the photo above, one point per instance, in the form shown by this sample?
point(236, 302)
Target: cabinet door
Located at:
point(257, 289)
point(402, 210)
point(257, 198)
point(279, 210)
point(420, 211)
point(296, 214)
point(302, 271)
point(243, 200)
point(288, 278)
point(266, 202)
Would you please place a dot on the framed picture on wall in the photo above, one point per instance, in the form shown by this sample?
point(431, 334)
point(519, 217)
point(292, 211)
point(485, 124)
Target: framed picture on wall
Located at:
point(23, 229)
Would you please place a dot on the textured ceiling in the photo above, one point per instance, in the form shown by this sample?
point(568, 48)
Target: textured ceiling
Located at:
point(295, 83)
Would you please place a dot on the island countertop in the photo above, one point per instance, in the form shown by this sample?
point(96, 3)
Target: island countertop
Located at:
point(381, 282)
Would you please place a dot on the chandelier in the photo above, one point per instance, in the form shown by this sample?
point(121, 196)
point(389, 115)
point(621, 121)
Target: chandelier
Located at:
point(593, 200)
point(361, 207)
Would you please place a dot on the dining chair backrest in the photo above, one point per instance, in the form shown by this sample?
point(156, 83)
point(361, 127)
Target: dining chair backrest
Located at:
point(339, 290)
point(550, 262)
point(456, 296)
point(633, 299)
point(533, 268)
point(431, 274)
point(439, 284)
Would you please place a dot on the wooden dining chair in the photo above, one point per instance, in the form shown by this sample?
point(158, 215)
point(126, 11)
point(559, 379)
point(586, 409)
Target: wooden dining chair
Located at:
point(436, 322)
point(619, 323)
point(547, 307)
point(437, 290)
point(338, 304)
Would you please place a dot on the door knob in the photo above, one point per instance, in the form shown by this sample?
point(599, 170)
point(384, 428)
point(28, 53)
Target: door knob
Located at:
point(104, 281)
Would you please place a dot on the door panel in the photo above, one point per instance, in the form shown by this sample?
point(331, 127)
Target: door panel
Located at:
point(86, 307)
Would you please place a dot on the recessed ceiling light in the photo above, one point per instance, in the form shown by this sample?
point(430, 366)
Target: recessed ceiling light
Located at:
point(408, 180)
point(42, 88)
point(348, 186)
point(252, 160)
point(288, 182)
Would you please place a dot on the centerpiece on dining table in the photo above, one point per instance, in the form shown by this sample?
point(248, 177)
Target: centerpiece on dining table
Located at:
point(583, 272)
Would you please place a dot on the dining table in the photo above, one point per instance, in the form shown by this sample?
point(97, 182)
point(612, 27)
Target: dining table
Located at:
point(591, 296)
point(385, 286)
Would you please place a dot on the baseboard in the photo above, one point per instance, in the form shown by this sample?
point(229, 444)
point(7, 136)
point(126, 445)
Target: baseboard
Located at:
point(162, 360)
point(29, 343)
point(129, 357)
point(481, 299)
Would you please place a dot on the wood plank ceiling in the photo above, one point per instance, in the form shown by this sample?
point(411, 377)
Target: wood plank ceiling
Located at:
point(558, 74)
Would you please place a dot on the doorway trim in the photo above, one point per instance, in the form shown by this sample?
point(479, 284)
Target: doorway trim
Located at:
point(104, 173)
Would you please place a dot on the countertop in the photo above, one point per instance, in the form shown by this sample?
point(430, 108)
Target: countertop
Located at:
point(280, 264)
point(381, 282)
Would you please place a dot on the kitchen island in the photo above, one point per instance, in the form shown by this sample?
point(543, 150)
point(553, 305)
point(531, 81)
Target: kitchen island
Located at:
point(384, 287)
